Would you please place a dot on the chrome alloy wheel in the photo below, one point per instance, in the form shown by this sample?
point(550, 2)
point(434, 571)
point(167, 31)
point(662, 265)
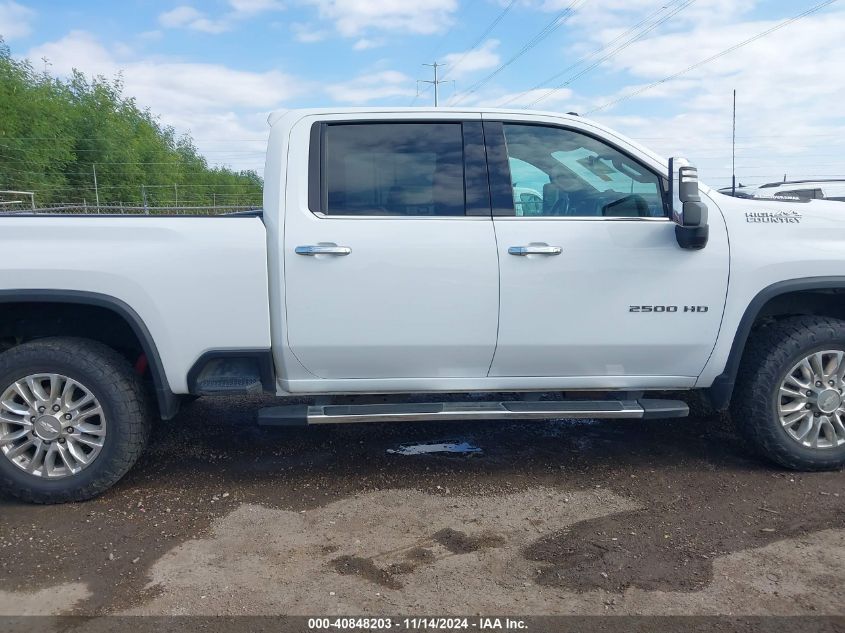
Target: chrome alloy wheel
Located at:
point(811, 400)
point(51, 426)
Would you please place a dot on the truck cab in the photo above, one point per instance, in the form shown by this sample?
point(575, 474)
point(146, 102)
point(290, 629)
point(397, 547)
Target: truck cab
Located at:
point(407, 263)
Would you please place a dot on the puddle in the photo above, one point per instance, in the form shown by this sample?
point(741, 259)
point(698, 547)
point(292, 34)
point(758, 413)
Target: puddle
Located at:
point(570, 422)
point(564, 427)
point(426, 448)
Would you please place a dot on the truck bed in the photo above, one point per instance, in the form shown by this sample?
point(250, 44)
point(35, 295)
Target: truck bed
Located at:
point(198, 283)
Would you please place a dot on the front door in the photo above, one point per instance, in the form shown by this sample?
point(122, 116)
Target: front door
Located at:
point(593, 283)
point(391, 268)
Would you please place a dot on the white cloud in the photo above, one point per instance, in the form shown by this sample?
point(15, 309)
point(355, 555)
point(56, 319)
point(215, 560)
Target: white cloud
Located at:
point(615, 13)
point(789, 84)
point(365, 44)
point(372, 87)
point(461, 64)
point(254, 7)
point(206, 25)
point(180, 16)
point(15, 20)
point(307, 34)
point(187, 17)
point(155, 34)
point(789, 93)
point(166, 85)
point(218, 105)
point(353, 17)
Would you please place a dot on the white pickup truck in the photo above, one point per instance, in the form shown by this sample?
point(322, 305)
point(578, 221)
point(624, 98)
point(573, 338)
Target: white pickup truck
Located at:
point(391, 258)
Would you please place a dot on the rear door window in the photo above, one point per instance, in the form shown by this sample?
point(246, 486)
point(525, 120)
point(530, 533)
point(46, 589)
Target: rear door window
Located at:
point(393, 169)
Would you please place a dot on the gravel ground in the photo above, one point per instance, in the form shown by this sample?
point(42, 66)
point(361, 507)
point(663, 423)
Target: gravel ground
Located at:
point(558, 517)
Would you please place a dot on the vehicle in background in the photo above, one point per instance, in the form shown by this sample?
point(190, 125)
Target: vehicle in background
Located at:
point(527, 201)
point(792, 190)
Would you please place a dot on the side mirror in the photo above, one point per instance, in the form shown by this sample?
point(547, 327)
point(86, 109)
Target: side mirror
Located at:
point(688, 211)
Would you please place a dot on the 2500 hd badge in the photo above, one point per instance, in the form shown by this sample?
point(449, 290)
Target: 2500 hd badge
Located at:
point(670, 309)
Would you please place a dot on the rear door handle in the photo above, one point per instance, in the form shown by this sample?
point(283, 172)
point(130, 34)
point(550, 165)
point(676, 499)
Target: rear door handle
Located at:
point(535, 249)
point(322, 249)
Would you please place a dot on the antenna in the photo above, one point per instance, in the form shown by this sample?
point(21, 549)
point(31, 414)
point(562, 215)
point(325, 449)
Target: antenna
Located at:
point(434, 83)
point(733, 151)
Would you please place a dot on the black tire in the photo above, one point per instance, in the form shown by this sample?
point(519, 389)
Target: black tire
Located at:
point(112, 380)
point(770, 354)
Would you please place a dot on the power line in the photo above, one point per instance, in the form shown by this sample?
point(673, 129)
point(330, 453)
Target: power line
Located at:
point(559, 20)
point(636, 37)
point(727, 51)
point(614, 52)
point(437, 48)
point(483, 36)
point(586, 57)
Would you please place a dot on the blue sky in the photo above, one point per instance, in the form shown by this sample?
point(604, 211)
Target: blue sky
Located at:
point(216, 68)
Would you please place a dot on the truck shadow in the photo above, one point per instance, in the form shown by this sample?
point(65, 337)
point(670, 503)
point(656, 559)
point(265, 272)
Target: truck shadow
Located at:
point(701, 494)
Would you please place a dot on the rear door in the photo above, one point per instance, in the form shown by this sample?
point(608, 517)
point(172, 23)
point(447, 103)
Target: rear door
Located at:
point(594, 284)
point(390, 259)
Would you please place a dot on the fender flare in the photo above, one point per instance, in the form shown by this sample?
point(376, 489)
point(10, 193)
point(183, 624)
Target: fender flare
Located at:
point(168, 403)
point(720, 392)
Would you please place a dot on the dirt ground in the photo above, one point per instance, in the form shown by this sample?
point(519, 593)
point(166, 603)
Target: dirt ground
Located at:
point(558, 517)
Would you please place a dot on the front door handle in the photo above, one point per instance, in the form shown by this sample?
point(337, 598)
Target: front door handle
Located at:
point(322, 249)
point(535, 249)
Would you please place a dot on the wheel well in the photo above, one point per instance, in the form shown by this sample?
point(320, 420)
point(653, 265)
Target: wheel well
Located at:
point(29, 315)
point(22, 322)
point(824, 296)
point(829, 302)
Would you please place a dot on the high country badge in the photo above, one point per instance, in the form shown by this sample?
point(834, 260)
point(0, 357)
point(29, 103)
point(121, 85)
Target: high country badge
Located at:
point(773, 217)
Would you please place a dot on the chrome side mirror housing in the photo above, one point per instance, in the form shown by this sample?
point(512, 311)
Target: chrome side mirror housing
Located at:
point(689, 213)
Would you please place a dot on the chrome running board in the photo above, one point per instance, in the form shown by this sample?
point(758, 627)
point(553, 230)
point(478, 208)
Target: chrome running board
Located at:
point(644, 408)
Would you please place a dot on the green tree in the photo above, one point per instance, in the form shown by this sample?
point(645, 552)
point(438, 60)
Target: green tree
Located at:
point(55, 133)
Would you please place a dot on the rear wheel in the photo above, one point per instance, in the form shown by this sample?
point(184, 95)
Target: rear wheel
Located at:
point(73, 419)
point(790, 394)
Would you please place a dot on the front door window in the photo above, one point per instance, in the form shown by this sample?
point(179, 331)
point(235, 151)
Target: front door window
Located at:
point(561, 172)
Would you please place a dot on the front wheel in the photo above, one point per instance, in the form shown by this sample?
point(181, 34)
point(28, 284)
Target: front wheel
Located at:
point(789, 401)
point(73, 419)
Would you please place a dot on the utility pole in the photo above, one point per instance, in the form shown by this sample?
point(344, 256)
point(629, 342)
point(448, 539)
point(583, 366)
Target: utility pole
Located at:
point(144, 198)
point(733, 150)
point(96, 190)
point(434, 83)
point(176, 189)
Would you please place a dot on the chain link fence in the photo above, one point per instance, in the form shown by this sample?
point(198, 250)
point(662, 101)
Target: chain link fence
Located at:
point(121, 208)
